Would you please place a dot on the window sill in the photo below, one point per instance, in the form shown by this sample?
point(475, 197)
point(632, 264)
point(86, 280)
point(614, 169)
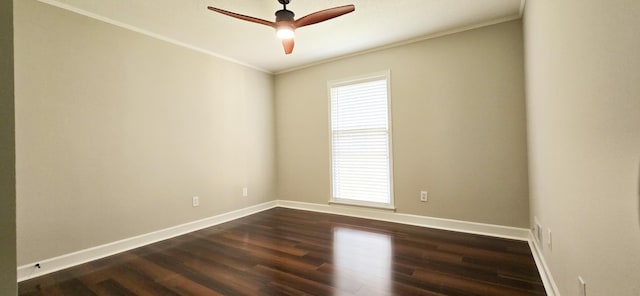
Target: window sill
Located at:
point(389, 208)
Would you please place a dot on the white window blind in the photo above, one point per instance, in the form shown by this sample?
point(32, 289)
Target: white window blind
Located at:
point(360, 141)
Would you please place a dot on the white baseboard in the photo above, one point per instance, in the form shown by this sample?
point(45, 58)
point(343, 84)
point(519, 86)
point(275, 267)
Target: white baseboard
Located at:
point(424, 221)
point(50, 265)
point(543, 269)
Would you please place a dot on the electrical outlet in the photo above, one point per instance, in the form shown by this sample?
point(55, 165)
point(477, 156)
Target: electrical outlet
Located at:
point(582, 287)
point(195, 201)
point(549, 238)
point(245, 192)
point(423, 196)
point(538, 233)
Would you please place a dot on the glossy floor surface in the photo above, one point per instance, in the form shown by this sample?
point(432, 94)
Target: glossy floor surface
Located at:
point(291, 252)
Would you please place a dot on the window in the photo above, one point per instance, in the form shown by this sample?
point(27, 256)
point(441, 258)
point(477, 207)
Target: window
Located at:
point(361, 141)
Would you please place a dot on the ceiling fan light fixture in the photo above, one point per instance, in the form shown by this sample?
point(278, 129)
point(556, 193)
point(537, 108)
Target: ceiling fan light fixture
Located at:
point(285, 32)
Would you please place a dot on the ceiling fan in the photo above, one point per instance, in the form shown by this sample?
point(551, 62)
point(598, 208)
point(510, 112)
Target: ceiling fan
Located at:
point(285, 23)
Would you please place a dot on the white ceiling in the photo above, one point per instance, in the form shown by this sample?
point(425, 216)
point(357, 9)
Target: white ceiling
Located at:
point(374, 24)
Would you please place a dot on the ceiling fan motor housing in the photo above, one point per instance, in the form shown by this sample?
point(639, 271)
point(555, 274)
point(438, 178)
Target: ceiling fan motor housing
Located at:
point(284, 15)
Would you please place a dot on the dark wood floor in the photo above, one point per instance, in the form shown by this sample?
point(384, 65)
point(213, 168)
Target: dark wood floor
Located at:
point(291, 252)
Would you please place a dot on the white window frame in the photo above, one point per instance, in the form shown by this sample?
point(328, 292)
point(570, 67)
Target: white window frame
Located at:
point(386, 75)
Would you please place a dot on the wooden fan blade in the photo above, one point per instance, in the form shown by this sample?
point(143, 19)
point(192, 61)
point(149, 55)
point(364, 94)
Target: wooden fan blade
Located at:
point(323, 15)
point(288, 45)
point(243, 17)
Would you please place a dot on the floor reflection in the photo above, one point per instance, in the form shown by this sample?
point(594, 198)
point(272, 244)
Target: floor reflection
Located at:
point(361, 257)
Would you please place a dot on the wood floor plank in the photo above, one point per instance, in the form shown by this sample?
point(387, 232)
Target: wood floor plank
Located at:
point(292, 252)
point(111, 287)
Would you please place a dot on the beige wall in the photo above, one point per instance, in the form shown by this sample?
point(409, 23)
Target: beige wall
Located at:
point(583, 94)
point(7, 155)
point(459, 127)
point(116, 131)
